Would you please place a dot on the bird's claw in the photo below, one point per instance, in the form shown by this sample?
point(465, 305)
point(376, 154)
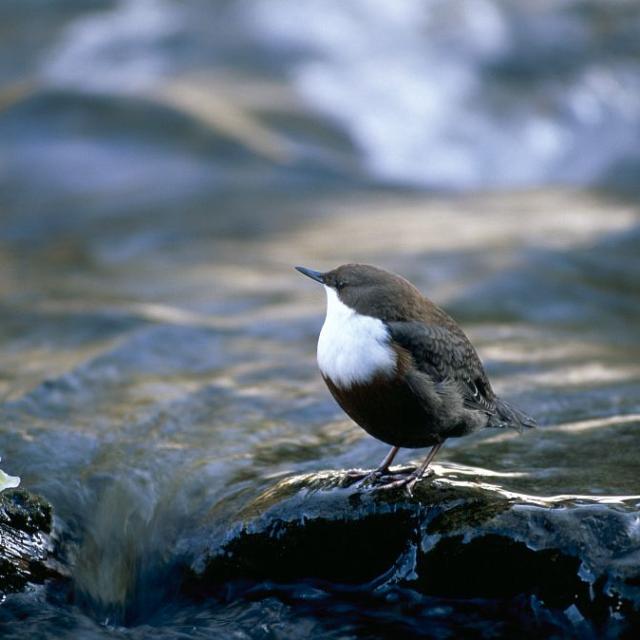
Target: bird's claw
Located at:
point(408, 483)
point(378, 474)
point(372, 477)
point(356, 474)
point(361, 477)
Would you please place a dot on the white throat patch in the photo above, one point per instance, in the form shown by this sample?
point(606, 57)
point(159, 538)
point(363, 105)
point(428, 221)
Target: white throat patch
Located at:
point(353, 348)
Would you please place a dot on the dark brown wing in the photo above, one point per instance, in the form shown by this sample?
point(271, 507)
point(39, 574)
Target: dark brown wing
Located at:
point(445, 354)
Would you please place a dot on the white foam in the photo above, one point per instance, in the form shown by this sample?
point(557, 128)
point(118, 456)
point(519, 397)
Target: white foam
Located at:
point(117, 51)
point(415, 84)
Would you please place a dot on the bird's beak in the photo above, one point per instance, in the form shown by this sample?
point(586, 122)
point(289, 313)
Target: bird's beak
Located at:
point(314, 275)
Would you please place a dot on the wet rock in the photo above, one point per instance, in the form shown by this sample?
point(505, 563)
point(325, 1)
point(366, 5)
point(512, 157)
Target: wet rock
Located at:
point(27, 548)
point(455, 538)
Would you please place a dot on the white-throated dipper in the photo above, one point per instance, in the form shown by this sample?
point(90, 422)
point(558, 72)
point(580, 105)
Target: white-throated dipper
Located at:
point(401, 367)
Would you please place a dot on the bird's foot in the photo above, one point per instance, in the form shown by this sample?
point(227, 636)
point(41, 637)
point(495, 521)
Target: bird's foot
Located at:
point(386, 474)
point(372, 477)
point(356, 474)
point(408, 482)
point(364, 477)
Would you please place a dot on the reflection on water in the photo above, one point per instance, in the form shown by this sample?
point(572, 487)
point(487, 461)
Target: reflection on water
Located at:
point(157, 350)
point(150, 396)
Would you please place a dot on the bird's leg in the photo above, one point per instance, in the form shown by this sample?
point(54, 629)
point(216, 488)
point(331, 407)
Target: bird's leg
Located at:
point(380, 470)
point(410, 481)
point(423, 467)
point(383, 467)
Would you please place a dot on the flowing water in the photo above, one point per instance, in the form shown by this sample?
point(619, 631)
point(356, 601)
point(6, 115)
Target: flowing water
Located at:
point(162, 170)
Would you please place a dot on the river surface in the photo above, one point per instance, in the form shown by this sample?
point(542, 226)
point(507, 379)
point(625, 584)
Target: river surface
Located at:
point(158, 181)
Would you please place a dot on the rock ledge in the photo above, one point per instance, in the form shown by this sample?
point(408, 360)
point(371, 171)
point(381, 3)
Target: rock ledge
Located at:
point(453, 538)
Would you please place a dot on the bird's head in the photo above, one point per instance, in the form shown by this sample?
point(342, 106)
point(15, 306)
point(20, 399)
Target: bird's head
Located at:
point(366, 289)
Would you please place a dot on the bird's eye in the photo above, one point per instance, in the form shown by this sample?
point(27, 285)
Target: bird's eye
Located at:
point(341, 284)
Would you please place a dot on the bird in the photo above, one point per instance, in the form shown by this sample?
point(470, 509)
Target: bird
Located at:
point(401, 367)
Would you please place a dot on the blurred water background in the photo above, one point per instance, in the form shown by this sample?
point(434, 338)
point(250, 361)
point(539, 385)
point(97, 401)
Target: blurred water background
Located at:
point(162, 166)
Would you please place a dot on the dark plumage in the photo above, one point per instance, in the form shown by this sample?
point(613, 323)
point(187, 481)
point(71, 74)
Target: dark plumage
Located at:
point(400, 366)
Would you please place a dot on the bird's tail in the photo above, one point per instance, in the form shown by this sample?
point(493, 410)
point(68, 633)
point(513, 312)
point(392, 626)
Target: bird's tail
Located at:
point(507, 416)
